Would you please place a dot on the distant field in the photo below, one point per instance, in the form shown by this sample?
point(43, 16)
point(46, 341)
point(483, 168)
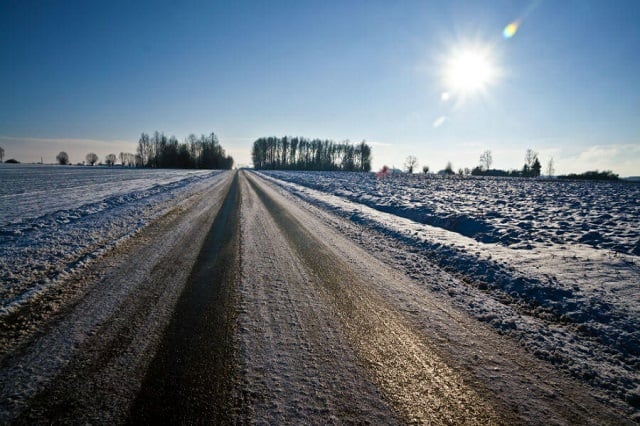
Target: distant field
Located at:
point(510, 211)
point(30, 191)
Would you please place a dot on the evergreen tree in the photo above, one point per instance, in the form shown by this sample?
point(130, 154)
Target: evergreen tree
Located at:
point(536, 168)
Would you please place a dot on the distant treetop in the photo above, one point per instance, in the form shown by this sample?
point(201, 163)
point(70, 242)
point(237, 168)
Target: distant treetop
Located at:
point(592, 175)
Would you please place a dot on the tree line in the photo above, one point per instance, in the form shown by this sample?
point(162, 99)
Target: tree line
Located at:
point(298, 153)
point(531, 168)
point(161, 151)
point(91, 159)
point(592, 175)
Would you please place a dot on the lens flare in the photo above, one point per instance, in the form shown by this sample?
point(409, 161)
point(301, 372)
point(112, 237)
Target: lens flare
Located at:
point(439, 121)
point(511, 29)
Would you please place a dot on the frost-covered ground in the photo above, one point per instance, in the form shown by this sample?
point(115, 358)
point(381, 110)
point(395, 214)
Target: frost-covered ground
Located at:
point(54, 219)
point(512, 212)
point(554, 265)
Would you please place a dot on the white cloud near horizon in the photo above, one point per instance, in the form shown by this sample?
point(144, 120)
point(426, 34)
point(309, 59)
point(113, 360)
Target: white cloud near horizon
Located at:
point(622, 159)
point(60, 140)
point(376, 143)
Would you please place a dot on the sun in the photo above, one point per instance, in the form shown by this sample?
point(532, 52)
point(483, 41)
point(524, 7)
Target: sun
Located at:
point(468, 71)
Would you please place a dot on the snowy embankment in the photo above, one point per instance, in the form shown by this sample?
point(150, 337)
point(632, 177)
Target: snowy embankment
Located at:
point(54, 220)
point(553, 265)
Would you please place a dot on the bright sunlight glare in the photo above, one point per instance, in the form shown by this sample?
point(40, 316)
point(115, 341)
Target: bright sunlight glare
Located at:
point(469, 71)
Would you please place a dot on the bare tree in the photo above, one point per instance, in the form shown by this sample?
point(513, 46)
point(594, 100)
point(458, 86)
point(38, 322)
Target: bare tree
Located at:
point(1, 154)
point(127, 159)
point(530, 160)
point(91, 158)
point(530, 157)
point(110, 159)
point(410, 163)
point(550, 169)
point(486, 160)
point(425, 169)
point(62, 158)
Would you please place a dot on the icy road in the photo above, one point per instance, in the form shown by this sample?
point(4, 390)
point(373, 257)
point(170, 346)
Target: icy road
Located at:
point(246, 304)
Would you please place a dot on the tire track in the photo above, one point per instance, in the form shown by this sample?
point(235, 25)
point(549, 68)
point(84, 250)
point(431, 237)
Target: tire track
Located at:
point(296, 361)
point(193, 377)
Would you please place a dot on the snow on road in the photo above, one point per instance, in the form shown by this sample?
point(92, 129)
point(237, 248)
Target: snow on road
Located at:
point(573, 305)
point(296, 362)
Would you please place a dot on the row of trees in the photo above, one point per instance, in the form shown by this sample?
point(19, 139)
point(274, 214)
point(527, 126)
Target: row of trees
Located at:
point(163, 152)
point(297, 153)
point(91, 159)
point(592, 175)
point(531, 168)
point(204, 152)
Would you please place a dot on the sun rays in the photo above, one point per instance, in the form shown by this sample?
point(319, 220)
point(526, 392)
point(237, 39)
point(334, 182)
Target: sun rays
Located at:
point(469, 70)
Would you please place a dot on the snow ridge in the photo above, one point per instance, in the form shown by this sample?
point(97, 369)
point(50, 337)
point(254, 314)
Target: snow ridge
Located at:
point(510, 211)
point(36, 252)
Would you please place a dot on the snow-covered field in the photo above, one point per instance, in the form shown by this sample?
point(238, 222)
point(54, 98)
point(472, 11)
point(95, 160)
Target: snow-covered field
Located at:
point(554, 265)
point(513, 212)
point(54, 219)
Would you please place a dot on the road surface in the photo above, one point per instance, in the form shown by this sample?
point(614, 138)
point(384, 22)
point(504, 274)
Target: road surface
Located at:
point(247, 305)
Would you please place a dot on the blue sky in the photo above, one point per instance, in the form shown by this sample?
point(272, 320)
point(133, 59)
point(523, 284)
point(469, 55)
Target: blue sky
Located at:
point(91, 76)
